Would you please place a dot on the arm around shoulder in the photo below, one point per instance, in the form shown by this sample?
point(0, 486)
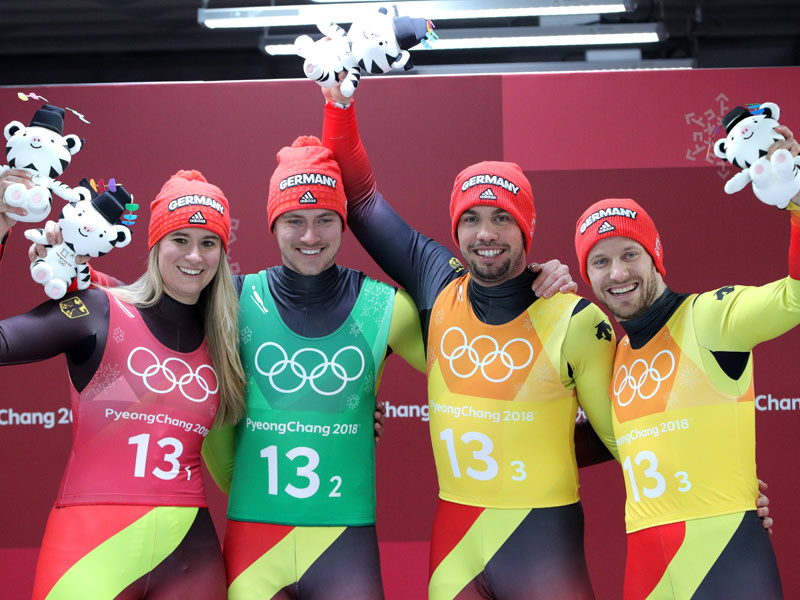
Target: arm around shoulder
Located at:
point(405, 332)
point(218, 452)
point(589, 347)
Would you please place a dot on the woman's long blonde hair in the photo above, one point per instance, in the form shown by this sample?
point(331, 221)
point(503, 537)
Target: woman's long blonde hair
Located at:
point(220, 306)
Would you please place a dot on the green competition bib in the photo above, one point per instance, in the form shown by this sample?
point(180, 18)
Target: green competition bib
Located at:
point(305, 451)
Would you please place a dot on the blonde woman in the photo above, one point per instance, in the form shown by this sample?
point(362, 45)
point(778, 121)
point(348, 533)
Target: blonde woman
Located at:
point(152, 367)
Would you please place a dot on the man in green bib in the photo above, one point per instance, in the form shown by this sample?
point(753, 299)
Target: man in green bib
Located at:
point(301, 514)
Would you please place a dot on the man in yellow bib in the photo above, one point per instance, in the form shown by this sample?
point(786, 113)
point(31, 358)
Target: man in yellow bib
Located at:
point(683, 409)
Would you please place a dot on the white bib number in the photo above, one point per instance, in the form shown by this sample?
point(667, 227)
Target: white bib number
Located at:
point(482, 454)
point(651, 474)
point(305, 470)
point(142, 443)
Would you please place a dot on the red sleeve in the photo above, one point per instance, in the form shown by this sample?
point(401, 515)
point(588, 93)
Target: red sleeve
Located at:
point(3, 243)
point(104, 280)
point(340, 134)
point(794, 246)
point(97, 278)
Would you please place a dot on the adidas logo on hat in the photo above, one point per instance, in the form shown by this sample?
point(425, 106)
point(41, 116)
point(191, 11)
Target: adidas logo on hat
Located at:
point(307, 198)
point(198, 219)
point(606, 227)
point(488, 194)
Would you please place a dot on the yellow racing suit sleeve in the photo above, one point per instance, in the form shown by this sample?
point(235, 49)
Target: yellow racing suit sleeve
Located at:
point(405, 332)
point(217, 451)
point(588, 349)
point(737, 318)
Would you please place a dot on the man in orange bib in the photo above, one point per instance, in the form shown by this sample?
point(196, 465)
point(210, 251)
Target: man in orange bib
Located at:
point(506, 370)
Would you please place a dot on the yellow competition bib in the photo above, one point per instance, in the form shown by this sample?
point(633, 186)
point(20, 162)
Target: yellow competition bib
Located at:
point(687, 449)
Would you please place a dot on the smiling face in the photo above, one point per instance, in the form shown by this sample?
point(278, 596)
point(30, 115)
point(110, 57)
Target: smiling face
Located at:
point(308, 239)
point(187, 260)
point(492, 244)
point(623, 277)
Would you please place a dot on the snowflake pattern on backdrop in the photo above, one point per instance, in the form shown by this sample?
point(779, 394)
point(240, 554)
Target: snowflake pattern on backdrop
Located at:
point(234, 266)
point(707, 128)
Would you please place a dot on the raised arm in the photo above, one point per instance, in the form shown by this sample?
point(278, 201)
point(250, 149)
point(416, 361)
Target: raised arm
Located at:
point(8, 177)
point(737, 318)
point(413, 260)
point(76, 326)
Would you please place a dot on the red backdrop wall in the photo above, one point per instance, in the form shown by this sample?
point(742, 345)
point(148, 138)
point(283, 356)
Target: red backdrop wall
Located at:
point(579, 137)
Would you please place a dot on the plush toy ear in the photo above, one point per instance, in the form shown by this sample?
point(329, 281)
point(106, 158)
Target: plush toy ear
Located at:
point(123, 236)
point(302, 46)
point(771, 110)
point(12, 128)
point(719, 149)
point(401, 61)
point(74, 143)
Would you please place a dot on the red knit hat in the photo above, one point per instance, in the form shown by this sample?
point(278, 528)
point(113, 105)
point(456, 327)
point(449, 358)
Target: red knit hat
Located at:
point(493, 183)
point(617, 217)
point(188, 200)
point(307, 176)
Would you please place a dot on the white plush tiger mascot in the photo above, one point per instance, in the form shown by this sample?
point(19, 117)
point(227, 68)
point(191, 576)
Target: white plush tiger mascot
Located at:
point(775, 180)
point(90, 228)
point(45, 153)
point(375, 45)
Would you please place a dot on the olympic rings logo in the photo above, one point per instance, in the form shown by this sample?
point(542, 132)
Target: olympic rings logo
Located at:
point(170, 379)
point(466, 348)
point(337, 370)
point(635, 380)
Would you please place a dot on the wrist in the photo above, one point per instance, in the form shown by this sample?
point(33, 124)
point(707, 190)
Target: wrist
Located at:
point(794, 211)
point(344, 103)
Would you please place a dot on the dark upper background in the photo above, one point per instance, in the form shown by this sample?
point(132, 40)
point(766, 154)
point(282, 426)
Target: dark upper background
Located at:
point(101, 41)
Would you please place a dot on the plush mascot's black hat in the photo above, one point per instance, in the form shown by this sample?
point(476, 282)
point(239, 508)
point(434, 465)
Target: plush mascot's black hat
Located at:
point(49, 117)
point(409, 32)
point(110, 204)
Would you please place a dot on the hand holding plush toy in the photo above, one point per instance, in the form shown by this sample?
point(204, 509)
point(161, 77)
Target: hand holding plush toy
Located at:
point(775, 180)
point(376, 44)
point(89, 227)
point(45, 153)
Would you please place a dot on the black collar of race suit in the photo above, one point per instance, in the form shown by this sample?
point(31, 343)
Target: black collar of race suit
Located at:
point(499, 304)
point(306, 288)
point(641, 329)
point(177, 325)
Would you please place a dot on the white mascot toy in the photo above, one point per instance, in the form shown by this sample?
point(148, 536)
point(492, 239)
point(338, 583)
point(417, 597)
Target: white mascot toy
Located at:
point(775, 180)
point(375, 44)
point(89, 227)
point(45, 153)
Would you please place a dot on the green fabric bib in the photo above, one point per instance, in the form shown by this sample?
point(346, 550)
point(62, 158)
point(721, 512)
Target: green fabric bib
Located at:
point(305, 451)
